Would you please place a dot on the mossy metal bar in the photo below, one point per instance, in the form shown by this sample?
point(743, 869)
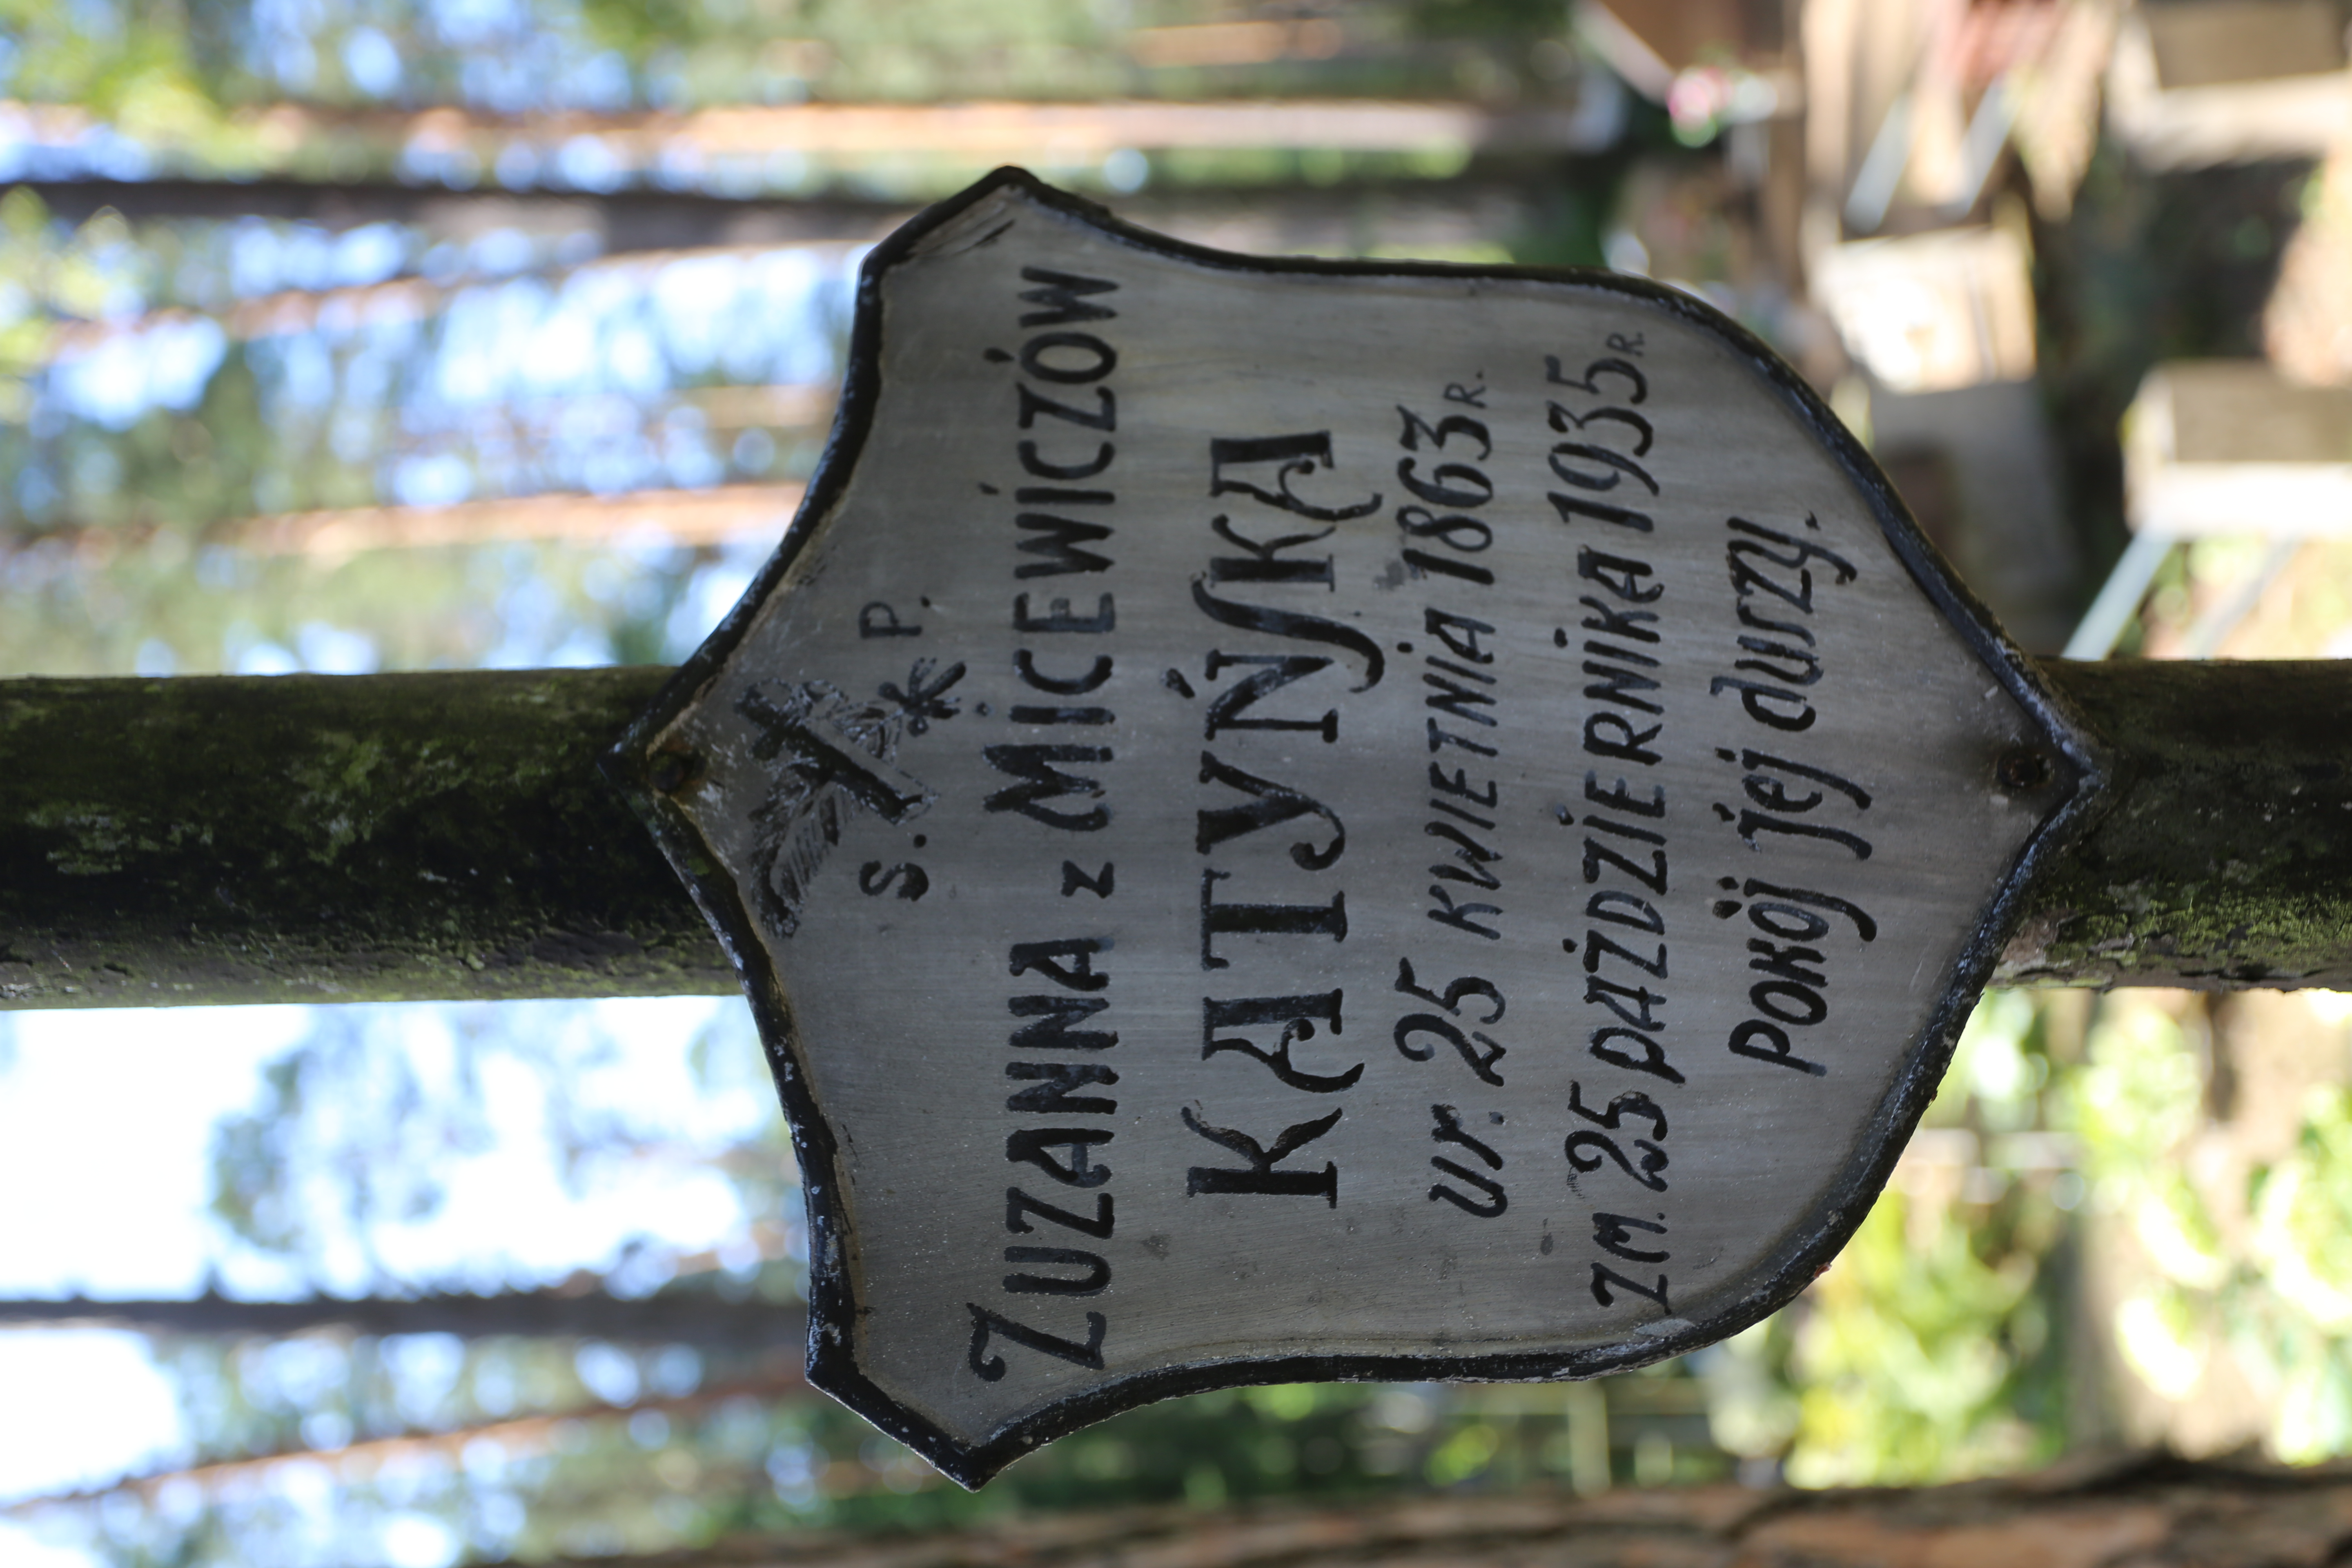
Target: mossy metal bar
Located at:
point(2225, 862)
point(214, 840)
point(314, 838)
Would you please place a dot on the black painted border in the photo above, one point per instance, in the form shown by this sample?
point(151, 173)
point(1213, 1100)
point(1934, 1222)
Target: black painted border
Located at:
point(2082, 790)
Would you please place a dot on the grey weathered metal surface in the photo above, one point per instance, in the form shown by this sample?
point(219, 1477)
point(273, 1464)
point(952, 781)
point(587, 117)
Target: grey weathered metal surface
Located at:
point(1291, 820)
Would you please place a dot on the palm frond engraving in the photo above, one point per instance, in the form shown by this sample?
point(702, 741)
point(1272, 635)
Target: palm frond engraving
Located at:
point(831, 756)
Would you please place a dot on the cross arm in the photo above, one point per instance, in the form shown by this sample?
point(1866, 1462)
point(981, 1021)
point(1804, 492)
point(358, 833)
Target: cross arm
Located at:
point(314, 839)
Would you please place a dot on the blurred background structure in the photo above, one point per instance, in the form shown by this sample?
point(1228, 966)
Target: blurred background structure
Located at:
point(348, 335)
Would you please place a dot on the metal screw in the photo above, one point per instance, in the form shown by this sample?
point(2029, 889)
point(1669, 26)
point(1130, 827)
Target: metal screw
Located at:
point(2022, 769)
point(671, 771)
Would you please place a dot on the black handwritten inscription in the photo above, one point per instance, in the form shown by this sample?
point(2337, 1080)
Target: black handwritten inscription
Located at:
point(1480, 1192)
point(1256, 828)
point(1448, 482)
point(1785, 804)
point(1638, 1157)
point(1605, 441)
point(1062, 1105)
point(1415, 1032)
point(1462, 813)
point(1279, 670)
point(1061, 529)
point(1443, 471)
point(1058, 1084)
point(1603, 469)
point(1443, 466)
point(1773, 590)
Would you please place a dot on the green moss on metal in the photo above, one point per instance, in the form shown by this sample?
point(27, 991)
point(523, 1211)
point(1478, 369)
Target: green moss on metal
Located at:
point(353, 839)
point(378, 838)
point(2226, 860)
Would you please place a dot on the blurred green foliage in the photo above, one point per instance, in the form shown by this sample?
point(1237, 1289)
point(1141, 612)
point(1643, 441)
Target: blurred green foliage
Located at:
point(1928, 1351)
point(2303, 1213)
point(2081, 1182)
point(153, 67)
point(2238, 1233)
point(46, 277)
point(169, 73)
point(1915, 1355)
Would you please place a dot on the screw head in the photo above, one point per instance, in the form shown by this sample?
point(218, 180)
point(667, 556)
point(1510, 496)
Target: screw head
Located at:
point(672, 771)
point(2023, 768)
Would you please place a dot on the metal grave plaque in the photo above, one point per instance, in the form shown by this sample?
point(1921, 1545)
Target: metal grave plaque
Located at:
point(1290, 820)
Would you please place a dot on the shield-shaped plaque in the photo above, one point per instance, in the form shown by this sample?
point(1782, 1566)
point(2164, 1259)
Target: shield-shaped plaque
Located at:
point(1290, 820)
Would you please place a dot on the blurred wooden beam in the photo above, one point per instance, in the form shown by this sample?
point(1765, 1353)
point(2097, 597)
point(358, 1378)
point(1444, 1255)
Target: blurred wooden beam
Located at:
point(1252, 43)
point(627, 146)
point(680, 517)
point(685, 516)
point(2141, 1509)
point(286, 311)
point(2198, 82)
point(622, 220)
point(634, 233)
point(511, 1438)
point(699, 1317)
point(2219, 447)
point(1325, 219)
